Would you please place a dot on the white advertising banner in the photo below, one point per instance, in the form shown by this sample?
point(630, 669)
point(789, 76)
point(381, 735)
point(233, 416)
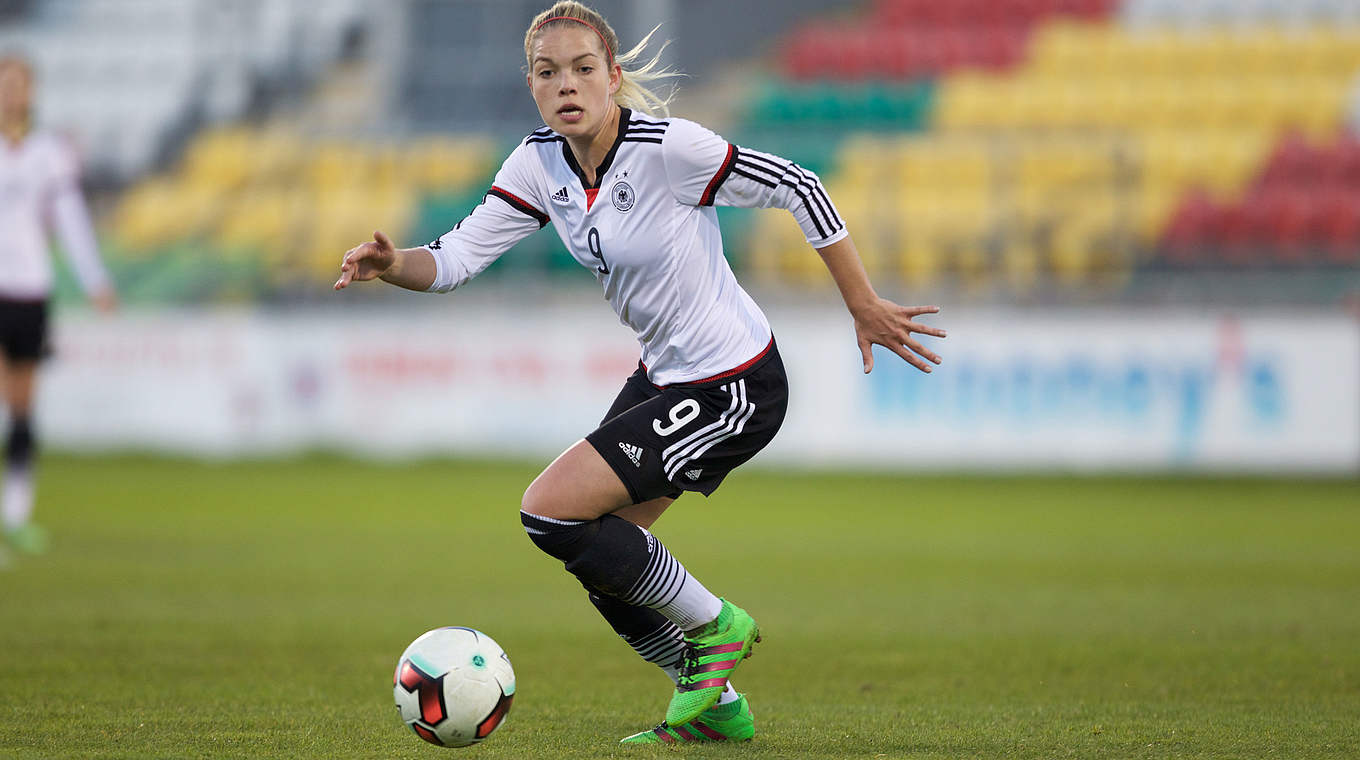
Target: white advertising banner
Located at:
point(1136, 390)
point(1090, 391)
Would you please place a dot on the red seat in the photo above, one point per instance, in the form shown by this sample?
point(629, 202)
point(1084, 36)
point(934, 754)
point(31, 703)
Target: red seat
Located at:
point(924, 53)
point(808, 54)
point(1293, 162)
point(1191, 229)
point(912, 12)
point(1093, 10)
point(1338, 226)
point(889, 13)
point(1236, 230)
point(1001, 47)
point(1023, 13)
point(1341, 163)
point(1288, 224)
point(855, 53)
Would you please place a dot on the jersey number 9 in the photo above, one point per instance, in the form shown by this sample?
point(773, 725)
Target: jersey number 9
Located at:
point(593, 242)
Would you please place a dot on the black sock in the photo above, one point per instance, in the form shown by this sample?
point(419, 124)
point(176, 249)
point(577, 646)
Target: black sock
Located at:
point(19, 444)
point(654, 638)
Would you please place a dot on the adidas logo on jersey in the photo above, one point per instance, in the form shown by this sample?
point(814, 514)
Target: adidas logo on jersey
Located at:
point(634, 453)
point(561, 196)
point(693, 474)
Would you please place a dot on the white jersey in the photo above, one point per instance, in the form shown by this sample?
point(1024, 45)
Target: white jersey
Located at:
point(648, 230)
point(39, 189)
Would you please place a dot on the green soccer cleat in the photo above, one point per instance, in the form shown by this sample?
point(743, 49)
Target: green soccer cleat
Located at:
point(28, 539)
point(712, 654)
point(719, 723)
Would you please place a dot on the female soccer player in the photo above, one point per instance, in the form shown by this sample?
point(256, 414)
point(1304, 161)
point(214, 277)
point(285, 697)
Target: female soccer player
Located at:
point(631, 195)
point(38, 182)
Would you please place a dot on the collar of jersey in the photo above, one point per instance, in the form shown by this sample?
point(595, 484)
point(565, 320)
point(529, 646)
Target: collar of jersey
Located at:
point(625, 115)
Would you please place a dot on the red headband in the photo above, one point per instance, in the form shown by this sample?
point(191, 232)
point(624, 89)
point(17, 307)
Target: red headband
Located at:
point(589, 25)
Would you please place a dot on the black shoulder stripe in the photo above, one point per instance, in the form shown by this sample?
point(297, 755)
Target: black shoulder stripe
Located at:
point(553, 139)
point(818, 194)
point(807, 204)
point(646, 131)
point(645, 122)
point(814, 205)
point(738, 170)
point(836, 221)
point(655, 140)
point(793, 175)
point(752, 166)
point(761, 158)
point(810, 192)
point(520, 205)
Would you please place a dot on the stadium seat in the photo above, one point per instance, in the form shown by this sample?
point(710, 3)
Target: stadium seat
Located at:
point(1191, 229)
point(1236, 232)
point(1339, 226)
point(1289, 224)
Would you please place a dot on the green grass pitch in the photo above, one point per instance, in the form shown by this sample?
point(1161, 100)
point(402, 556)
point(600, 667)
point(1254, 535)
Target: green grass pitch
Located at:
point(255, 610)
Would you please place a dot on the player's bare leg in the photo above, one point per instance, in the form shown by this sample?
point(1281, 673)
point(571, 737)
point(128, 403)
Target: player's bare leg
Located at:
point(646, 514)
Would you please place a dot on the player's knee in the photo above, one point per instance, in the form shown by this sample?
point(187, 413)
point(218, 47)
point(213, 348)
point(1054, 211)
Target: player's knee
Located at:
point(537, 499)
point(563, 539)
point(19, 443)
point(607, 554)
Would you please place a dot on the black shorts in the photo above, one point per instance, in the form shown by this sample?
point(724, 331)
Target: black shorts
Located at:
point(687, 437)
point(23, 330)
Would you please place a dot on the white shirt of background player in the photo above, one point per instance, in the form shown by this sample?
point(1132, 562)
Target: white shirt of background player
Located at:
point(40, 192)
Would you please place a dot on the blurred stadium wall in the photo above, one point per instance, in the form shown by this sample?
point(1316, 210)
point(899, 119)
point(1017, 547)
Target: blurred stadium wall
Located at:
point(1142, 218)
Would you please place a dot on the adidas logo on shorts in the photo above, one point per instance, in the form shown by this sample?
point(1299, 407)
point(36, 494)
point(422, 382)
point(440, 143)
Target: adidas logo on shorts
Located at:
point(561, 196)
point(634, 453)
point(693, 474)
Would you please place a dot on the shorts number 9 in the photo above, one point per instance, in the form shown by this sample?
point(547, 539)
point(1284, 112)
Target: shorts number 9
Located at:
point(681, 414)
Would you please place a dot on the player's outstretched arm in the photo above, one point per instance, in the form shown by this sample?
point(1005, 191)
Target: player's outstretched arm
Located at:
point(410, 268)
point(878, 320)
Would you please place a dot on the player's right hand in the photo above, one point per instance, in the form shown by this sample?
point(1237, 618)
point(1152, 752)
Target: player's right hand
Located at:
point(366, 261)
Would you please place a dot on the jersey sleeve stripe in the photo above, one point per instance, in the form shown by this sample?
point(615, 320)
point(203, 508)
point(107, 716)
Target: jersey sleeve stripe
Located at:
point(807, 204)
point(740, 169)
point(757, 159)
point(819, 197)
point(772, 176)
point(813, 195)
point(724, 171)
point(519, 204)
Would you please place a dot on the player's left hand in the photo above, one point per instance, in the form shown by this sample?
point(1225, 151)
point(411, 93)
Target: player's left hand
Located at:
point(105, 300)
point(889, 325)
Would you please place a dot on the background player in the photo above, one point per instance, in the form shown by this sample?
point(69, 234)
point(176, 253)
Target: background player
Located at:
point(39, 185)
point(710, 391)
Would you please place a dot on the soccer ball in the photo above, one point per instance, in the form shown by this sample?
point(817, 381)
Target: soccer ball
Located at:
point(453, 686)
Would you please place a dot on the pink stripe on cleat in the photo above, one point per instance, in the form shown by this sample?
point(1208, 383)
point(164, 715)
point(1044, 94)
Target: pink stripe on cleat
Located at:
point(712, 666)
point(735, 646)
point(664, 734)
point(710, 733)
point(684, 734)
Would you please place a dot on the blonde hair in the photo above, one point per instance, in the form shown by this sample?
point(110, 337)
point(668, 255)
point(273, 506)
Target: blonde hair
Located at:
point(634, 91)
